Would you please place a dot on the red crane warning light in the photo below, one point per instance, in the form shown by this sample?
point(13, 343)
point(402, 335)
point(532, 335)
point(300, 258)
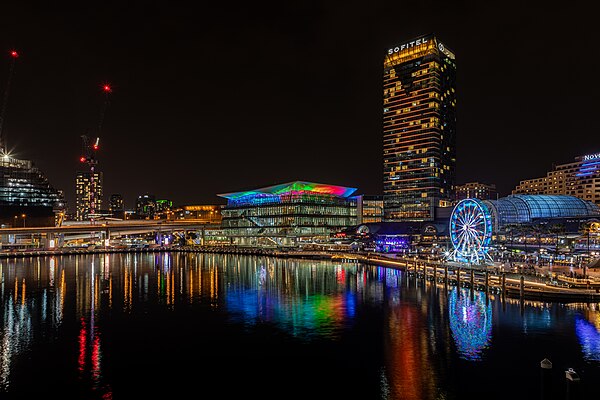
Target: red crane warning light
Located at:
point(106, 88)
point(14, 54)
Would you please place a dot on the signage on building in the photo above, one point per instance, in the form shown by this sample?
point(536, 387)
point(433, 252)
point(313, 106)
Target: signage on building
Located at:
point(447, 52)
point(430, 229)
point(590, 157)
point(419, 42)
point(408, 45)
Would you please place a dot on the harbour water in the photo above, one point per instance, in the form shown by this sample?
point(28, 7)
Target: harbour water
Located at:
point(199, 325)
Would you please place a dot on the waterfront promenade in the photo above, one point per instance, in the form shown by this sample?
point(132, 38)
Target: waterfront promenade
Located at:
point(543, 284)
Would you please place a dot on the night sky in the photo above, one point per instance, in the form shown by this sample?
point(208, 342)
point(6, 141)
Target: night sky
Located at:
point(232, 96)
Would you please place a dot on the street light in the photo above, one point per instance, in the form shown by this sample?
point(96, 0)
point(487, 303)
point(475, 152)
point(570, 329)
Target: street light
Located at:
point(23, 216)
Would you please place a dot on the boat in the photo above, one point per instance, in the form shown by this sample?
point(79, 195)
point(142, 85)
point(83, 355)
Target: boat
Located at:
point(546, 364)
point(572, 375)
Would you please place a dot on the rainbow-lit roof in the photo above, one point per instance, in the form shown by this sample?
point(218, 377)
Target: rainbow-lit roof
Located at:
point(296, 186)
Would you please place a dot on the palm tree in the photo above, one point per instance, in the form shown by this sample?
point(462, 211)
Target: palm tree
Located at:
point(556, 229)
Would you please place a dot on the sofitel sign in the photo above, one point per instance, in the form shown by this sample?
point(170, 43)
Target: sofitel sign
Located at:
point(419, 42)
point(408, 45)
point(591, 157)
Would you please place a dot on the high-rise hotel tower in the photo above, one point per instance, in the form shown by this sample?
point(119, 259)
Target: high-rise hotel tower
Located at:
point(419, 129)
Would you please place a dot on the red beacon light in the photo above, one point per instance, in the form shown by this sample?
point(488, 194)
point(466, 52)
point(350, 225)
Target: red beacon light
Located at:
point(96, 147)
point(107, 88)
point(14, 54)
point(82, 159)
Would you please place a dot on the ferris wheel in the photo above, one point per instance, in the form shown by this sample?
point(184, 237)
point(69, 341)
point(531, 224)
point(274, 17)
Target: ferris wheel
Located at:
point(470, 230)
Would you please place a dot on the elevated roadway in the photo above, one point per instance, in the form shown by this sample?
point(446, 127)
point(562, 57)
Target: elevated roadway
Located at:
point(109, 229)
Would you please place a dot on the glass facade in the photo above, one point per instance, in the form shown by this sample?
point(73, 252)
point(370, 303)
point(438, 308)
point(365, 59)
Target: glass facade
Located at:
point(24, 190)
point(287, 214)
point(522, 209)
point(419, 129)
point(22, 184)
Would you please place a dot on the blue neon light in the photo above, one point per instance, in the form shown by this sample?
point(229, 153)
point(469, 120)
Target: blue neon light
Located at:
point(471, 230)
point(590, 163)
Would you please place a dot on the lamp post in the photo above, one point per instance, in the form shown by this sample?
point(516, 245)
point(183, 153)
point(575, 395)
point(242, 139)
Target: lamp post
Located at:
point(23, 216)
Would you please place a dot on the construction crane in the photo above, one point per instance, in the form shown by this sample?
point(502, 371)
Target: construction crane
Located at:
point(13, 59)
point(88, 153)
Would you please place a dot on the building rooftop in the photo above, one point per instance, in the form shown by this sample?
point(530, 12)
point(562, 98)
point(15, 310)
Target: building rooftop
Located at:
point(294, 186)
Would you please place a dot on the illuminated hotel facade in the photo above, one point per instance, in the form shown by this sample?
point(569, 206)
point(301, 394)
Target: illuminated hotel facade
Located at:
point(419, 129)
point(287, 214)
point(580, 179)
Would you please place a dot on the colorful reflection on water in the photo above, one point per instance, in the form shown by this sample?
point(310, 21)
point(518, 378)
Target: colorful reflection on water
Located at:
point(84, 324)
point(301, 312)
point(470, 322)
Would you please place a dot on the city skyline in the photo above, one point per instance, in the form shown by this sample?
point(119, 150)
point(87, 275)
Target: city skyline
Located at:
point(245, 97)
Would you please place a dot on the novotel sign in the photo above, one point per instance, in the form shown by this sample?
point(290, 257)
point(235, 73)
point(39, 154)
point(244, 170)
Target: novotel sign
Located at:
point(590, 157)
point(408, 45)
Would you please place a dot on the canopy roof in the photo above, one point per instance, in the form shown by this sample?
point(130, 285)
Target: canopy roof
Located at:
point(295, 186)
point(520, 208)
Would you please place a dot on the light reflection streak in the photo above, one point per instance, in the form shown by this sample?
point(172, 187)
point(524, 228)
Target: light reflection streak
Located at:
point(589, 338)
point(82, 346)
point(470, 323)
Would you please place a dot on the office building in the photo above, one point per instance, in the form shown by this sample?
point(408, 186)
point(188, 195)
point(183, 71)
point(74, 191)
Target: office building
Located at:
point(26, 196)
point(116, 207)
point(419, 129)
point(145, 206)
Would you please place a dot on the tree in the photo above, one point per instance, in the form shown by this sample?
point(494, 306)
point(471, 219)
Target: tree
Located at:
point(557, 229)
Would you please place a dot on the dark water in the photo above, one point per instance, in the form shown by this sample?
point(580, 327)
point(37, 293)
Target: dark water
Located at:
point(231, 327)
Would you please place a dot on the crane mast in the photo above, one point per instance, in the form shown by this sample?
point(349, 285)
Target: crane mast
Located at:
point(88, 151)
point(13, 58)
